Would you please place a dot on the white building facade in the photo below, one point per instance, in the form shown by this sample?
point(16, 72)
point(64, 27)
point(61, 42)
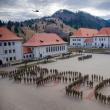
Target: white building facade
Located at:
point(101, 42)
point(50, 50)
point(91, 38)
point(44, 45)
point(10, 47)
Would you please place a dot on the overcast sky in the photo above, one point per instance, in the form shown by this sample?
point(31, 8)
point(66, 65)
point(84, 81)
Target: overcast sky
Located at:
point(17, 10)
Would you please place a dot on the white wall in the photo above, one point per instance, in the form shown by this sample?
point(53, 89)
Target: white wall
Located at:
point(109, 42)
point(40, 52)
point(28, 56)
point(76, 42)
point(99, 41)
point(16, 51)
point(19, 50)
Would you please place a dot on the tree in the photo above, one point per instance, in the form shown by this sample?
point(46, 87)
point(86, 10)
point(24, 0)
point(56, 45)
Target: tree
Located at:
point(10, 24)
point(2, 23)
point(16, 30)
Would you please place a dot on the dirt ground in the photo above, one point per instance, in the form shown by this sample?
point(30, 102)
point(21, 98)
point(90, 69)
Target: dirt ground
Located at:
point(52, 96)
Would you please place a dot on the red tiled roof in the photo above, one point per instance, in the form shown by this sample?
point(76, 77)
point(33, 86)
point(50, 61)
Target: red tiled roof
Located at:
point(42, 39)
point(27, 50)
point(85, 32)
point(6, 34)
point(104, 32)
point(88, 40)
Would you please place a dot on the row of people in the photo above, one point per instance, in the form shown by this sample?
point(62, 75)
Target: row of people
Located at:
point(84, 57)
point(70, 89)
point(100, 96)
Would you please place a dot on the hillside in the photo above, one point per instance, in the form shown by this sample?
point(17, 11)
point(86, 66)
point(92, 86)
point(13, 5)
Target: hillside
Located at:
point(49, 25)
point(62, 22)
point(80, 19)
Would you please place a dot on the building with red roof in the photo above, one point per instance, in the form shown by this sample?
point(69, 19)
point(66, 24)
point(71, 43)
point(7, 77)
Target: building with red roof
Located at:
point(83, 37)
point(102, 38)
point(27, 53)
point(85, 32)
point(10, 46)
point(46, 44)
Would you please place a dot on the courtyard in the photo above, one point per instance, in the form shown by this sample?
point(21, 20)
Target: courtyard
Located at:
point(51, 96)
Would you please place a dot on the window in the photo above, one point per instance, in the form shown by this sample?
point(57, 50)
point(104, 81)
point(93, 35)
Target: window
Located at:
point(6, 52)
point(49, 49)
point(78, 39)
point(13, 50)
point(10, 51)
point(5, 44)
point(60, 48)
point(0, 44)
point(30, 56)
point(64, 47)
point(6, 59)
point(56, 48)
point(10, 58)
point(46, 49)
point(13, 43)
point(9, 43)
point(75, 39)
point(53, 48)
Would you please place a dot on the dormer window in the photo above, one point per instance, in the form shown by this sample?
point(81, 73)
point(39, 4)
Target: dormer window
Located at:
point(41, 41)
point(57, 40)
point(0, 35)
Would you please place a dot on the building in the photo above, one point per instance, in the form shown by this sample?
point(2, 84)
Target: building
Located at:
point(10, 46)
point(102, 38)
point(27, 53)
point(46, 44)
point(83, 38)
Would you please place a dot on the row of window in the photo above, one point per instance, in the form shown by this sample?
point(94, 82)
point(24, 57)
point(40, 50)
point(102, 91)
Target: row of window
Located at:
point(100, 39)
point(28, 56)
point(55, 48)
point(10, 58)
point(9, 51)
point(76, 43)
point(7, 43)
point(77, 39)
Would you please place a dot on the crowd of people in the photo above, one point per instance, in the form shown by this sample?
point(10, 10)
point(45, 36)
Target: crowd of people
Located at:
point(39, 76)
point(71, 91)
point(84, 57)
point(99, 95)
point(5, 65)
